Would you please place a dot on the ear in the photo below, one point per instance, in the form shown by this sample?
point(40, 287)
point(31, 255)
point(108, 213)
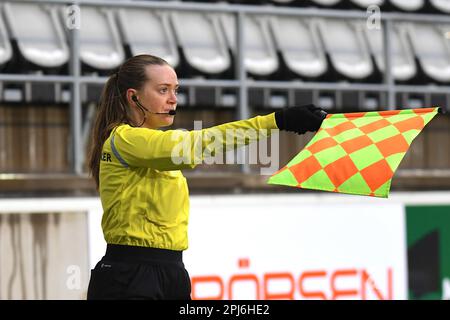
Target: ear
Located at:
point(130, 93)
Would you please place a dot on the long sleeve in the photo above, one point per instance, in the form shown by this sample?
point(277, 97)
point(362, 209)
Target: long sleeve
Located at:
point(180, 149)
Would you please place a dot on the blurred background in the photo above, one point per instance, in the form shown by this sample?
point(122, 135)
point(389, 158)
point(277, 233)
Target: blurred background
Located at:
point(234, 59)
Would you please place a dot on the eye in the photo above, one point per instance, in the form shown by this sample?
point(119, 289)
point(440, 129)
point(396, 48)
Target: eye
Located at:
point(163, 90)
point(176, 91)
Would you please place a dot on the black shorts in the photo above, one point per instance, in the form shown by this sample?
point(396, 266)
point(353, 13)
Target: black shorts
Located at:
point(130, 272)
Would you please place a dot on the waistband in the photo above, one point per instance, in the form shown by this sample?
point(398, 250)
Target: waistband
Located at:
point(117, 252)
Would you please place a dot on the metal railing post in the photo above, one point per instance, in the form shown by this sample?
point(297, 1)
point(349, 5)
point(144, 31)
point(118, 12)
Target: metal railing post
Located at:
point(387, 53)
point(77, 151)
point(243, 110)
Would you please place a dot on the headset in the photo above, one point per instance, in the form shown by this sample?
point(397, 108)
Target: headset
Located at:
point(135, 99)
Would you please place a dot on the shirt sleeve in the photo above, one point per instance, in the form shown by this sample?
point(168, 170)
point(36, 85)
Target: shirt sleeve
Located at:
point(181, 149)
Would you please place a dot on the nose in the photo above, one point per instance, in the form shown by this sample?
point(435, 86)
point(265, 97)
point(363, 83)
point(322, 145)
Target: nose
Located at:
point(173, 97)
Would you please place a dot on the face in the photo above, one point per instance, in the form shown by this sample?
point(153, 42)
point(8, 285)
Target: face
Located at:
point(159, 94)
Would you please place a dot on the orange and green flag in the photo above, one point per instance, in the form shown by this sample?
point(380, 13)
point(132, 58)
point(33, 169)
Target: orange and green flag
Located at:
point(355, 153)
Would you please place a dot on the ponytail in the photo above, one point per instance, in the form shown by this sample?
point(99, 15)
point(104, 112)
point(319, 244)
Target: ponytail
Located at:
point(113, 109)
point(109, 115)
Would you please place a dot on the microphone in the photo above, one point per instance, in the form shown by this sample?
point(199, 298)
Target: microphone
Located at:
point(135, 99)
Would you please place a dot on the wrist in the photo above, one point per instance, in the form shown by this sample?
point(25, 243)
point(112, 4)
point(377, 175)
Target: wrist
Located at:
point(279, 119)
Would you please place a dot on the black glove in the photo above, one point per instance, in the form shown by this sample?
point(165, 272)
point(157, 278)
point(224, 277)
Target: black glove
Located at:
point(300, 119)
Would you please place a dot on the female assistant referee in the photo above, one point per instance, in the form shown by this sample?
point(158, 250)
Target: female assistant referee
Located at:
point(144, 195)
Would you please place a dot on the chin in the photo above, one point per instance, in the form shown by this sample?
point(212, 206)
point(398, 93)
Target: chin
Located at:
point(167, 123)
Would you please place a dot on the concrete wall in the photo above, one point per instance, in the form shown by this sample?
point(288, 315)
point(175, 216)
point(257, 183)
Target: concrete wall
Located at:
point(43, 255)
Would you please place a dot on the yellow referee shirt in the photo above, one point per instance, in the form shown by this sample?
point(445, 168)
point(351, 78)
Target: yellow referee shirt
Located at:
point(144, 195)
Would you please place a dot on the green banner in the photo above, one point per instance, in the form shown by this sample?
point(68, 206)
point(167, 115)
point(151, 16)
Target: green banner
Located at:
point(428, 240)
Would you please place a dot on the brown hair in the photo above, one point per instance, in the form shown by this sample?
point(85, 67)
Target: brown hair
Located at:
point(113, 108)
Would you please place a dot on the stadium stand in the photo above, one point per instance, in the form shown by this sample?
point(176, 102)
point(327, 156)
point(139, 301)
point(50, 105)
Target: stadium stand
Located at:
point(366, 3)
point(441, 5)
point(260, 58)
point(326, 2)
point(5, 45)
point(408, 5)
point(283, 1)
point(304, 54)
point(403, 61)
point(43, 43)
point(207, 54)
point(100, 44)
point(432, 50)
point(345, 45)
point(288, 60)
point(146, 30)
